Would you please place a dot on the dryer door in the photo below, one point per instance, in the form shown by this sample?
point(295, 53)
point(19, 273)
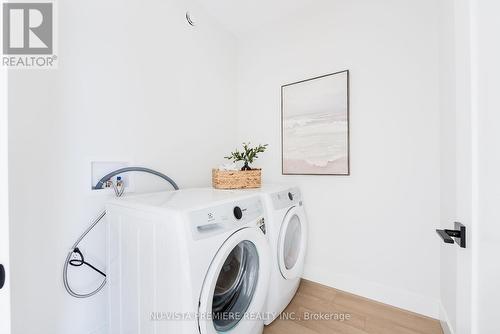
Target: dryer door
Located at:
point(236, 283)
point(292, 243)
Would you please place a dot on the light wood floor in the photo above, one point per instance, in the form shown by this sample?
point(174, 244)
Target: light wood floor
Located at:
point(366, 316)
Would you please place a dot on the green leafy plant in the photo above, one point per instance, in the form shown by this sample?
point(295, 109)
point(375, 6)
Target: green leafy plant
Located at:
point(248, 155)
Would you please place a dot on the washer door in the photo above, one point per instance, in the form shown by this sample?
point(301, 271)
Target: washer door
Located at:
point(292, 243)
point(235, 287)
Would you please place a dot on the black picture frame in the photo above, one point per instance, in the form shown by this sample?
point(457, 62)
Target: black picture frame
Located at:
point(348, 126)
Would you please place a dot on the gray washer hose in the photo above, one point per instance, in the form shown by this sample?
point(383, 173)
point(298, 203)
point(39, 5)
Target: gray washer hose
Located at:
point(106, 178)
point(99, 185)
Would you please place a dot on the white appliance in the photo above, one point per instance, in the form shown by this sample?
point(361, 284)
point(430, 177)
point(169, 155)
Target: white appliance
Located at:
point(187, 261)
point(287, 232)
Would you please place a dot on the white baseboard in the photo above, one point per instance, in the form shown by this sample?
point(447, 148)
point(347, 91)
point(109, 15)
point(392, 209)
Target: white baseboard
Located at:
point(388, 295)
point(445, 320)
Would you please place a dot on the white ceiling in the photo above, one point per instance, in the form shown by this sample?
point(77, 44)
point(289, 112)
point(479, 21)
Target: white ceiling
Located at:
point(242, 16)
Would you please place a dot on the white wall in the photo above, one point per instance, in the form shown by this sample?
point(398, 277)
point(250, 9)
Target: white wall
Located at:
point(134, 83)
point(371, 233)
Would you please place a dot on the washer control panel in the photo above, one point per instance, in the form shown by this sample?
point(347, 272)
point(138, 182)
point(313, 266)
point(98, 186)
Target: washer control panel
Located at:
point(229, 216)
point(286, 198)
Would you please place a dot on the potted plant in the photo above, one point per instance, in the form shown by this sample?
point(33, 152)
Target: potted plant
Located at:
point(246, 177)
point(248, 155)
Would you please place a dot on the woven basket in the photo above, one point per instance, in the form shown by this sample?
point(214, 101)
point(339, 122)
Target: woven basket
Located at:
point(231, 179)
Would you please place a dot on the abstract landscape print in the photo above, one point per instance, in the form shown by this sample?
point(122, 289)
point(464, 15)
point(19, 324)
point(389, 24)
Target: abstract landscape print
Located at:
point(315, 125)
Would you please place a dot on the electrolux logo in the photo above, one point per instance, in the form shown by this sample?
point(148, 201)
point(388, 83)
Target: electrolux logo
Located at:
point(28, 35)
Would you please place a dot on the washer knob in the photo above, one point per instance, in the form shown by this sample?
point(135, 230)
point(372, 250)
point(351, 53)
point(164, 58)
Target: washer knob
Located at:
point(290, 196)
point(237, 212)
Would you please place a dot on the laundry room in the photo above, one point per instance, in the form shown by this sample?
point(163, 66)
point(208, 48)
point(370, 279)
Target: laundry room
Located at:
point(247, 167)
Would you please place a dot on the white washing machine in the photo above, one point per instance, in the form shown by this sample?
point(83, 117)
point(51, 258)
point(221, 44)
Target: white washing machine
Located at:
point(187, 261)
point(287, 232)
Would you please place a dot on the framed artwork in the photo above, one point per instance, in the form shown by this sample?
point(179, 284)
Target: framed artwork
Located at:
point(315, 126)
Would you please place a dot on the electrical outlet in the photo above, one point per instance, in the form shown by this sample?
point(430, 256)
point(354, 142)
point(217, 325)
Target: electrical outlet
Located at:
point(102, 168)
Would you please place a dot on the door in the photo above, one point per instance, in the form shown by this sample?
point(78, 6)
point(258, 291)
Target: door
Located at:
point(4, 210)
point(236, 284)
point(292, 243)
point(470, 296)
point(486, 26)
point(457, 161)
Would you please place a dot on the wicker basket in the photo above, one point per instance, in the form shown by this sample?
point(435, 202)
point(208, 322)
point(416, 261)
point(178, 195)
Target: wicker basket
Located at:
point(231, 179)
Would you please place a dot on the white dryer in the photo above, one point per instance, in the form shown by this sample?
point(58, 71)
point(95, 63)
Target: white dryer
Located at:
point(188, 261)
point(287, 232)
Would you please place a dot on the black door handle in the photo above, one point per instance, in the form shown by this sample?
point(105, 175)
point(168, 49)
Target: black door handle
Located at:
point(2, 276)
point(445, 236)
point(451, 236)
